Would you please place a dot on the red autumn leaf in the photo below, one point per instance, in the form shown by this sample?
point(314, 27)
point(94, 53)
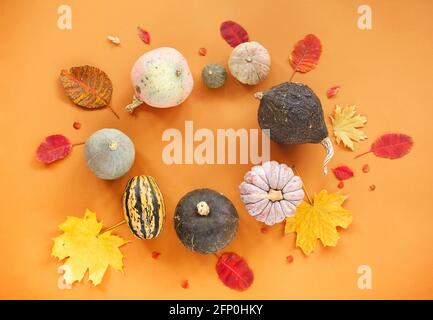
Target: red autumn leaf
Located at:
point(343, 172)
point(234, 272)
point(143, 35)
point(202, 52)
point(54, 148)
point(391, 146)
point(332, 91)
point(233, 33)
point(306, 54)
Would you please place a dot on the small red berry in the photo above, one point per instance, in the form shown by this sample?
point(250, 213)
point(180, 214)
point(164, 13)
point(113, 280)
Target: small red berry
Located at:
point(365, 168)
point(289, 259)
point(185, 284)
point(202, 51)
point(76, 125)
point(340, 185)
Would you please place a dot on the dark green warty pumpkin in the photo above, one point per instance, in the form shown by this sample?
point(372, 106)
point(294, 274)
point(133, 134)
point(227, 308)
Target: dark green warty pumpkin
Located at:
point(143, 206)
point(293, 114)
point(205, 221)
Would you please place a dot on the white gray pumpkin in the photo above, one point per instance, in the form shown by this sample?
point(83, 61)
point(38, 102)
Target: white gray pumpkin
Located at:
point(250, 63)
point(271, 192)
point(161, 78)
point(109, 153)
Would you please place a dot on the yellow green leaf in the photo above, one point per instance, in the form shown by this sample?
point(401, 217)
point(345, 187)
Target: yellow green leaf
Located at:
point(346, 124)
point(319, 221)
point(86, 249)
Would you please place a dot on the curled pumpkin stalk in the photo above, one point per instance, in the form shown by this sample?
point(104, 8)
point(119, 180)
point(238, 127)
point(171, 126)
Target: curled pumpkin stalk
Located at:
point(258, 95)
point(135, 104)
point(329, 148)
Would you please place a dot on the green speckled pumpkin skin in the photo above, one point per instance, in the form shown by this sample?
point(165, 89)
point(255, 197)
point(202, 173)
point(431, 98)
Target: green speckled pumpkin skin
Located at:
point(293, 113)
point(205, 233)
point(214, 75)
point(109, 153)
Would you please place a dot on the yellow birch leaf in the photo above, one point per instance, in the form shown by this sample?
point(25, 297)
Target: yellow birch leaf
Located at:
point(346, 124)
point(319, 221)
point(84, 248)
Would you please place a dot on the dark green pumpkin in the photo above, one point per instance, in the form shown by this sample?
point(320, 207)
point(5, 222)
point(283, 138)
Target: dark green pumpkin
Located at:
point(143, 207)
point(294, 115)
point(205, 221)
point(214, 75)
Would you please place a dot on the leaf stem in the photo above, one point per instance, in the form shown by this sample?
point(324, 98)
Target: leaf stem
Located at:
point(114, 112)
point(307, 194)
point(364, 153)
point(293, 74)
point(115, 226)
point(78, 144)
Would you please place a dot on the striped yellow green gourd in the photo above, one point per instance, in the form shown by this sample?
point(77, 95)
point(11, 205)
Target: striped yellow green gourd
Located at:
point(143, 206)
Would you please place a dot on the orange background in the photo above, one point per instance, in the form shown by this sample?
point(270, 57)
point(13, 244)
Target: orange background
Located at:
point(385, 71)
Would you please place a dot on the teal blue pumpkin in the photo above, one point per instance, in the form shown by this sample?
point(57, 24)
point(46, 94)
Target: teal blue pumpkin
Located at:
point(109, 154)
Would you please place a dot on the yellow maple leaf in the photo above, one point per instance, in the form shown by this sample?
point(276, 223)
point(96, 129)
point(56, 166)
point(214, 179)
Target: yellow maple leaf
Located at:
point(319, 221)
point(86, 249)
point(346, 123)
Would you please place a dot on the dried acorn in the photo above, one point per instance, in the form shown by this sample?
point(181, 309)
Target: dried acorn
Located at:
point(214, 75)
point(205, 221)
point(294, 115)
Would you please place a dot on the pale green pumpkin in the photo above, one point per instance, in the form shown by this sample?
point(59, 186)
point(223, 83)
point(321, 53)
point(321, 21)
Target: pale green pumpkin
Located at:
point(109, 154)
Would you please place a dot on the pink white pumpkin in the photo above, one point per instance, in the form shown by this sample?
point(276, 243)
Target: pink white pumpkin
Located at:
point(271, 192)
point(161, 78)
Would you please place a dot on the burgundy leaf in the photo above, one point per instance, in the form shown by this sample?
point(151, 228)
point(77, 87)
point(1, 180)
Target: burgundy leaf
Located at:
point(54, 148)
point(233, 33)
point(143, 35)
point(343, 172)
point(331, 92)
point(234, 272)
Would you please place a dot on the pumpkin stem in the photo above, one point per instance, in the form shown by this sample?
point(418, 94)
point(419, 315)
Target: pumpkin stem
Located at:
point(258, 95)
point(113, 145)
point(329, 148)
point(275, 195)
point(135, 103)
point(203, 208)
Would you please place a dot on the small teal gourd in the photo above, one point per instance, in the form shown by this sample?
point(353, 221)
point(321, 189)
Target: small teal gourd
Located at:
point(214, 75)
point(109, 153)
